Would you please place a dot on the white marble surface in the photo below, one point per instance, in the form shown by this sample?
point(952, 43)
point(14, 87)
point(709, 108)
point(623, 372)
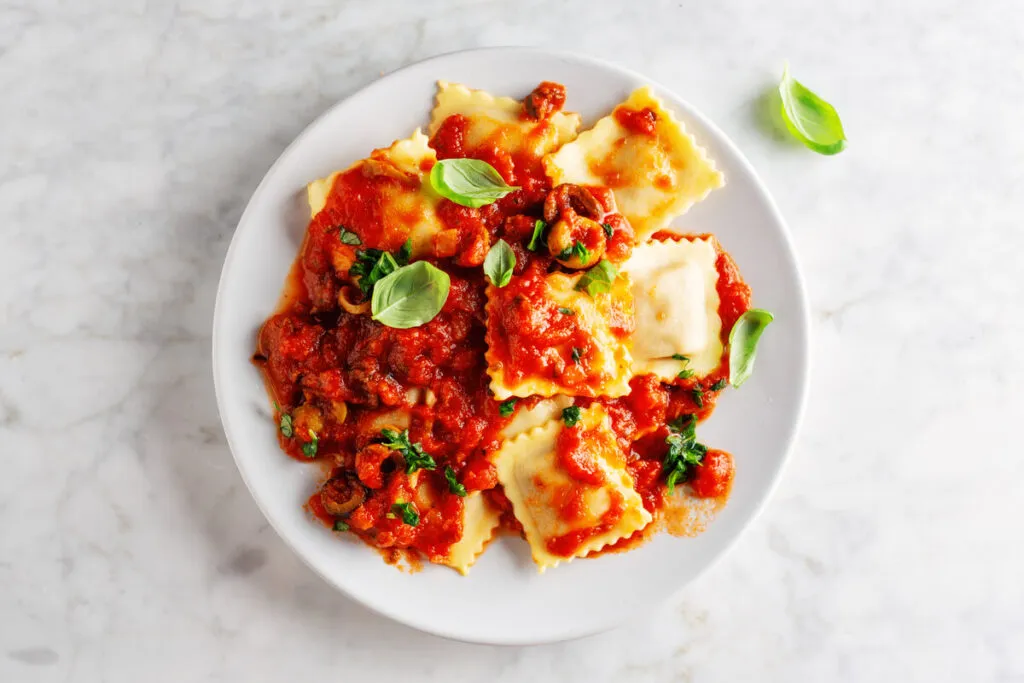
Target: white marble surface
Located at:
point(132, 133)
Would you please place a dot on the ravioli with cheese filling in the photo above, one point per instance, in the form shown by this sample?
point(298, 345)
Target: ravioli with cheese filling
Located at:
point(479, 521)
point(644, 154)
point(499, 125)
point(569, 488)
point(385, 199)
point(676, 302)
point(544, 337)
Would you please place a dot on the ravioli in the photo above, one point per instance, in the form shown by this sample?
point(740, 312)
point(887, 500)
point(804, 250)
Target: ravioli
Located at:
point(566, 514)
point(676, 303)
point(655, 176)
point(479, 521)
point(544, 337)
point(386, 198)
point(498, 123)
point(543, 412)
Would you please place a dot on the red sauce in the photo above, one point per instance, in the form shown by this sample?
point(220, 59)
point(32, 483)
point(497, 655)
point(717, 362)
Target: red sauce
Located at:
point(336, 373)
point(640, 121)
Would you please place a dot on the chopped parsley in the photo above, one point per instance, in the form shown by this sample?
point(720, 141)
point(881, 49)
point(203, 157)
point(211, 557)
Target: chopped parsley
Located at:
point(578, 250)
point(576, 353)
point(698, 396)
point(413, 454)
point(373, 264)
point(608, 229)
point(507, 407)
point(407, 511)
point(571, 415)
point(287, 426)
point(537, 238)
point(453, 484)
point(348, 237)
point(566, 311)
point(719, 385)
point(684, 453)
point(341, 526)
point(310, 448)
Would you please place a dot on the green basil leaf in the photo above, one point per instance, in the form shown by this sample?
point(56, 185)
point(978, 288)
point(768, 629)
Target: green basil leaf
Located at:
point(577, 353)
point(599, 278)
point(500, 263)
point(566, 311)
point(685, 374)
point(413, 454)
point(743, 340)
point(507, 407)
point(405, 253)
point(407, 511)
point(809, 118)
point(348, 237)
point(469, 182)
point(410, 296)
point(310, 448)
point(571, 415)
point(719, 385)
point(698, 396)
point(537, 239)
point(341, 526)
point(453, 484)
point(608, 229)
point(287, 426)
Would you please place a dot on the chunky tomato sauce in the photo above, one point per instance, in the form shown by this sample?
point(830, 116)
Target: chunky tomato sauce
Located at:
point(339, 378)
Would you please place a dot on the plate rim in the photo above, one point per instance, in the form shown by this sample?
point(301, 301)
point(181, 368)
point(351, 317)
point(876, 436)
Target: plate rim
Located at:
point(801, 387)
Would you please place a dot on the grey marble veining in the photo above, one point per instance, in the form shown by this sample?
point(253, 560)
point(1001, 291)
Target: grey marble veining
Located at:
point(133, 132)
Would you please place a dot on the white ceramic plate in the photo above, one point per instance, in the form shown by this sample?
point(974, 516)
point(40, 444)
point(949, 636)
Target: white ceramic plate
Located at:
point(504, 599)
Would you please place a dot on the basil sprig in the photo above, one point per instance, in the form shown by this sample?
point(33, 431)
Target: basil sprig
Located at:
point(453, 484)
point(537, 238)
point(743, 340)
point(571, 415)
point(599, 278)
point(469, 182)
point(684, 453)
point(410, 296)
point(810, 119)
point(499, 263)
point(373, 264)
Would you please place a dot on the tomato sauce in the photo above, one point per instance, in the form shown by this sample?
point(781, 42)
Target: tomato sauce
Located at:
point(639, 121)
point(338, 378)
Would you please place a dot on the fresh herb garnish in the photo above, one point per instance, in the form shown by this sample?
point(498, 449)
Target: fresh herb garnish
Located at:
point(348, 237)
point(685, 374)
point(287, 426)
point(469, 182)
point(411, 296)
point(373, 264)
point(507, 407)
point(679, 356)
point(537, 239)
point(404, 253)
point(578, 250)
point(743, 344)
point(698, 396)
point(341, 526)
point(608, 230)
point(310, 448)
point(407, 511)
point(599, 278)
point(566, 311)
point(576, 353)
point(810, 119)
point(684, 453)
point(453, 484)
point(499, 263)
point(571, 415)
point(413, 454)
point(718, 386)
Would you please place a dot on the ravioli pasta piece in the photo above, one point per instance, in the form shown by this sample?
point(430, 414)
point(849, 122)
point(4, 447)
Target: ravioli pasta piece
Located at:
point(479, 521)
point(527, 355)
point(529, 418)
point(552, 506)
point(655, 178)
point(676, 302)
point(500, 121)
point(394, 182)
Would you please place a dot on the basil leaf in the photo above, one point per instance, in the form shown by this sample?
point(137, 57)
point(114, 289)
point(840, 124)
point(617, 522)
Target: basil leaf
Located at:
point(537, 239)
point(578, 249)
point(599, 278)
point(576, 354)
point(743, 340)
point(348, 237)
point(341, 526)
point(679, 356)
point(468, 182)
point(809, 118)
point(719, 385)
point(407, 511)
point(507, 407)
point(685, 374)
point(413, 454)
point(698, 396)
point(499, 264)
point(684, 453)
point(410, 296)
point(453, 484)
point(608, 229)
point(287, 426)
point(310, 448)
point(566, 311)
point(571, 415)
point(405, 253)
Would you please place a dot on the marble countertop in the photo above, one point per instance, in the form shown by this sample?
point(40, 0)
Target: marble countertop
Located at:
point(132, 133)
